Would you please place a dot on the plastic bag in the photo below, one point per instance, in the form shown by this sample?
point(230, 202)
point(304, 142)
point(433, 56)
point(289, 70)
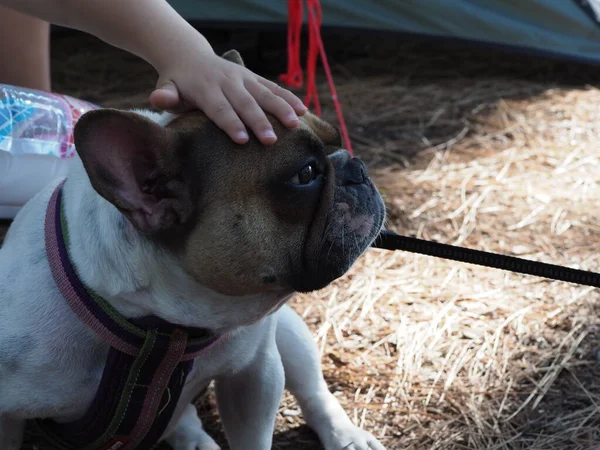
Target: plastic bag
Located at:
point(36, 142)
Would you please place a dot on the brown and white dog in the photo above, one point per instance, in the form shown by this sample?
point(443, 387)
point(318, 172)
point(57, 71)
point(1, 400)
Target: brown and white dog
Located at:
point(167, 217)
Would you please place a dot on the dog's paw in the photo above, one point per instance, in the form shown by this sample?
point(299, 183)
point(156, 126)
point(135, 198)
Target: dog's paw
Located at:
point(194, 441)
point(199, 446)
point(350, 437)
point(189, 433)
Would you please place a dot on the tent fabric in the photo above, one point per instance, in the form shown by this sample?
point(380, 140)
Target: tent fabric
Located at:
point(568, 29)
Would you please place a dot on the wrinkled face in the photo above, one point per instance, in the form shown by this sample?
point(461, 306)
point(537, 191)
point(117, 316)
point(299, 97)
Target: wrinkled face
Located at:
point(291, 216)
point(241, 219)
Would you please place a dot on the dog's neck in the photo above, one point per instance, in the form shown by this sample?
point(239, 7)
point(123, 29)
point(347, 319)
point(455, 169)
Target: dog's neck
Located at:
point(137, 277)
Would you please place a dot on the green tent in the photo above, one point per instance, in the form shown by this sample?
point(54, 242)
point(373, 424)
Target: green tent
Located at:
point(565, 29)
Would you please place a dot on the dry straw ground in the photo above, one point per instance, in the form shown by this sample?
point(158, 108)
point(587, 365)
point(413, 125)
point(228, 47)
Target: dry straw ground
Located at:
point(485, 150)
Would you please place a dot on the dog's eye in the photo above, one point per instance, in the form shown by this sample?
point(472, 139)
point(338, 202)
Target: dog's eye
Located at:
point(305, 176)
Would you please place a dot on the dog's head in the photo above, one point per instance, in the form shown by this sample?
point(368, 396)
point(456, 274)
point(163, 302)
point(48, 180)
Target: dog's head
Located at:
point(241, 219)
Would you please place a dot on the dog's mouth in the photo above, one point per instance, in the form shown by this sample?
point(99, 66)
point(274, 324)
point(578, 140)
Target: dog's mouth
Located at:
point(348, 219)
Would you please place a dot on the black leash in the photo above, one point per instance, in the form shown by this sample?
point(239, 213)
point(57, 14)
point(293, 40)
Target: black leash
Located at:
point(391, 241)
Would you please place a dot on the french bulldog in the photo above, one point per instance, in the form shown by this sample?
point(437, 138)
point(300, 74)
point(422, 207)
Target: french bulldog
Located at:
point(167, 217)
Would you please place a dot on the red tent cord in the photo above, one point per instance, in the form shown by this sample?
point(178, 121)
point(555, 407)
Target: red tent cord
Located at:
point(314, 25)
point(293, 77)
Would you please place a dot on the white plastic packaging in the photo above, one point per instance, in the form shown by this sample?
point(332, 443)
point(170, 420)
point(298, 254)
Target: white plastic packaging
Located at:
point(36, 142)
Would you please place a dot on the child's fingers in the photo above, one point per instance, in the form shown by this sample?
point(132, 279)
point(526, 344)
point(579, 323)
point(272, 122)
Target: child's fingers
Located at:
point(220, 111)
point(273, 104)
point(245, 104)
point(288, 96)
point(165, 97)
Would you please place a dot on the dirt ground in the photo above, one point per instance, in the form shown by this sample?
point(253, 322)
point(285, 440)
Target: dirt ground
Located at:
point(471, 147)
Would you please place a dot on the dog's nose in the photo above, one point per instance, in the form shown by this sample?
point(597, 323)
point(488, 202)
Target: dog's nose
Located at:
point(348, 170)
point(354, 172)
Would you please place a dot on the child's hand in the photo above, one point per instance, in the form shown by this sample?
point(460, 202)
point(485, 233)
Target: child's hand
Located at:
point(191, 75)
point(229, 94)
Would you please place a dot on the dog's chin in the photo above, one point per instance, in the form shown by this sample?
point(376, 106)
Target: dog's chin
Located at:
point(353, 222)
point(310, 281)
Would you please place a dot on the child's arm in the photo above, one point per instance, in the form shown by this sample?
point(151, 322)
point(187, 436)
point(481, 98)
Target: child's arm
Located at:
point(190, 73)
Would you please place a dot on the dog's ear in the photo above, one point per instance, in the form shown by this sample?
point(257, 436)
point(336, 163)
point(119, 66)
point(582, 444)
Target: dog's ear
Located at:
point(132, 162)
point(326, 132)
point(233, 56)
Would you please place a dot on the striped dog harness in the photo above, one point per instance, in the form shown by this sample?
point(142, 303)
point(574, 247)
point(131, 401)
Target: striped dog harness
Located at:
point(147, 364)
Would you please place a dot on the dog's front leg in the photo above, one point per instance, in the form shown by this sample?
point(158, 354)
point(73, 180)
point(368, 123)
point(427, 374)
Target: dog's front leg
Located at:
point(304, 378)
point(11, 433)
point(249, 399)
